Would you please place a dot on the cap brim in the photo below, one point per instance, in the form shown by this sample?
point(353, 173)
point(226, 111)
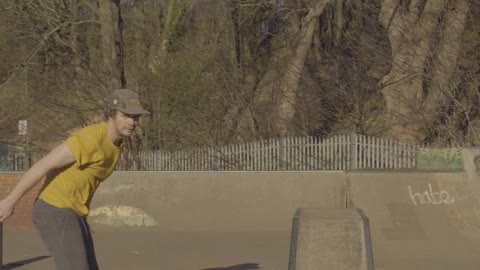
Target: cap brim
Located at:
point(135, 111)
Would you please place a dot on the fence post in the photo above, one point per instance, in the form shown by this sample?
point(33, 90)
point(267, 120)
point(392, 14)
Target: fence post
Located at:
point(281, 153)
point(353, 151)
point(1, 246)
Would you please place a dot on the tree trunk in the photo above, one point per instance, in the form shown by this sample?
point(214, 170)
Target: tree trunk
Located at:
point(339, 20)
point(287, 87)
point(412, 28)
point(444, 64)
point(109, 33)
point(158, 51)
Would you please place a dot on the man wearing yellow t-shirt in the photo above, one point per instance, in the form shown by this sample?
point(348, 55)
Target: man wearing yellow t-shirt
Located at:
point(73, 171)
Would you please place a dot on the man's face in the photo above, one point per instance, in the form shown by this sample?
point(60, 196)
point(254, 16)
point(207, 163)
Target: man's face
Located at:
point(125, 124)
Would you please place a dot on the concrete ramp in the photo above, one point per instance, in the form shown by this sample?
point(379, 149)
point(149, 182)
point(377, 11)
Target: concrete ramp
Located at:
point(330, 239)
point(421, 220)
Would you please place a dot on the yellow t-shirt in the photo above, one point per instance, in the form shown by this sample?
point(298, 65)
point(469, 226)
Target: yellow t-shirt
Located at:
point(73, 186)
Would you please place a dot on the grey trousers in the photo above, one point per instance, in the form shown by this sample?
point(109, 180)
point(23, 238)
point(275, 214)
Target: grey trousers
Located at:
point(66, 235)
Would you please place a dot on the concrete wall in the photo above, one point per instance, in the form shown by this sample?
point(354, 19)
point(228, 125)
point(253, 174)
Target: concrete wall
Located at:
point(247, 201)
point(421, 220)
point(223, 201)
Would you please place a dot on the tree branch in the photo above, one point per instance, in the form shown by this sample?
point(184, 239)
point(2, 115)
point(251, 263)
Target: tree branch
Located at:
point(14, 6)
point(35, 50)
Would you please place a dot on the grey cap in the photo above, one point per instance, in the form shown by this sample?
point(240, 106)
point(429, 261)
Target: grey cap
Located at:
point(126, 101)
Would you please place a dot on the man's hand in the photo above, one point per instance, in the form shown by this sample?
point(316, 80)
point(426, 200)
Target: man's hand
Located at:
point(6, 209)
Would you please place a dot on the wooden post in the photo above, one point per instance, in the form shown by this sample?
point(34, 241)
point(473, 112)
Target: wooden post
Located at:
point(282, 154)
point(1, 246)
point(353, 152)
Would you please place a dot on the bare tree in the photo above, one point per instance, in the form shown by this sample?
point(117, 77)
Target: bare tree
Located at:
point(66, 77)
point(288, 85)
point(424, 38)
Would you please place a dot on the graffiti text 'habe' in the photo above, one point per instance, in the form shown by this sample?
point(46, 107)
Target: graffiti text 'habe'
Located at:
point(430, 197)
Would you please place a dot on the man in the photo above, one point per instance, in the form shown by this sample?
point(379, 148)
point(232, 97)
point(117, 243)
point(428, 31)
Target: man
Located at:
point(73, 171)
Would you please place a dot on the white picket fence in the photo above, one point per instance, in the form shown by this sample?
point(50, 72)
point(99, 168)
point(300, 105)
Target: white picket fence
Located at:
point(340, 152)
point(18, 161)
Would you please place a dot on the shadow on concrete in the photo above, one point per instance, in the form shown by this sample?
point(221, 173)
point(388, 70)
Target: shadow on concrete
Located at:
point(18, 264)
point(244, 266)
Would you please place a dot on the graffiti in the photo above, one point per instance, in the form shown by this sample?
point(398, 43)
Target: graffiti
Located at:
point(430, 197)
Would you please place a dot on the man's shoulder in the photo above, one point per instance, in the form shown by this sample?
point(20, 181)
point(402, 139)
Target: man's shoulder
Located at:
point(92, 127)
point(96, 130)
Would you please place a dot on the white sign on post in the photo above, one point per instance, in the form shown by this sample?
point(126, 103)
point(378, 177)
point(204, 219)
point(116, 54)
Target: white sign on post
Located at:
point(22, 127)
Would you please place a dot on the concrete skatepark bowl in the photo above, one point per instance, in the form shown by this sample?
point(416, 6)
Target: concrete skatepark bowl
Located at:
point(419, 220)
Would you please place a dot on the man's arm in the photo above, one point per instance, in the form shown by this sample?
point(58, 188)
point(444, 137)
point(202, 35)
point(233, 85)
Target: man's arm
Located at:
point(59, 157)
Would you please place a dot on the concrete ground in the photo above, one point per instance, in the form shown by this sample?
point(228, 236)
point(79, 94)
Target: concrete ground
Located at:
point(142, 248)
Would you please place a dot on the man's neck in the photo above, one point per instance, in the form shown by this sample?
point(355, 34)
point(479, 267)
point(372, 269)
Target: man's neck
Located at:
point(113, 134)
